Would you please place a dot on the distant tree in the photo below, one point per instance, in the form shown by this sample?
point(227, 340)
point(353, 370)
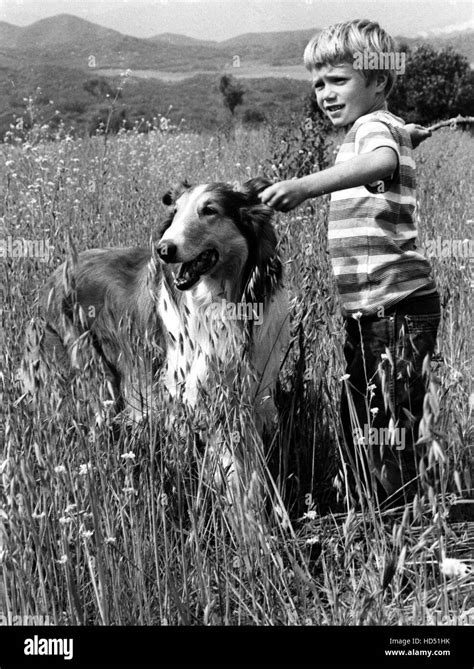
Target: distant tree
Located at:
point(100, 87)
point(109, 121)
point(232, 92)
point(253, 117)
point(436, 85)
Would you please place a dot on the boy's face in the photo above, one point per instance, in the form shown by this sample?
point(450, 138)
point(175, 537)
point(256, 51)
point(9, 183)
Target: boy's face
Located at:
point(342, 93)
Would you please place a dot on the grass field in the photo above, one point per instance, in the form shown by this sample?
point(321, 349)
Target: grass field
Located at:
point(102, 524)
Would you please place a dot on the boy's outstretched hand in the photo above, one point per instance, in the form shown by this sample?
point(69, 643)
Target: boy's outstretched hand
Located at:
point(284, 195)
point(417, 133)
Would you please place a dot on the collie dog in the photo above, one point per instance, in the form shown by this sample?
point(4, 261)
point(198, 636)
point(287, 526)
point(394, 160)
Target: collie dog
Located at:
point(209, 299)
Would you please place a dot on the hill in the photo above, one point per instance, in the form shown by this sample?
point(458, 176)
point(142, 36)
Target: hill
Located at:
point(63, 29)
point(9, 35)
point(181, 40)
point(71, 41)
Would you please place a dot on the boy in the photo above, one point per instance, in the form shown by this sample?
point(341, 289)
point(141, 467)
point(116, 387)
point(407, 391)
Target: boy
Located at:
point(389, 299)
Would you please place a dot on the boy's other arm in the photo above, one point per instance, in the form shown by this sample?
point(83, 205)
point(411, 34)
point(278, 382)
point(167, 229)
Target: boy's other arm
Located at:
point(417, 133)
point(357, 171)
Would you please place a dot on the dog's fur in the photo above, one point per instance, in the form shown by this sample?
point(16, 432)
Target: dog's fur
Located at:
point(178, 302)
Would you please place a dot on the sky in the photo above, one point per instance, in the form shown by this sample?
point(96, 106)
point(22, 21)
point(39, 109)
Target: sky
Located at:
point(222, 19)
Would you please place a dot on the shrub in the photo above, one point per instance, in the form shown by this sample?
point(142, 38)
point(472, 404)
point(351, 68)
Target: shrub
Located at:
point(436, 85)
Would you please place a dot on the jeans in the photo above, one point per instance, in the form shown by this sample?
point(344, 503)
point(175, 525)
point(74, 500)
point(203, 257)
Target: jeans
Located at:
point(386, 362)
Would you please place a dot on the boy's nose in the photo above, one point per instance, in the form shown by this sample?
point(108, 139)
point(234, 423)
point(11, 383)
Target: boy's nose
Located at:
point(329, 94)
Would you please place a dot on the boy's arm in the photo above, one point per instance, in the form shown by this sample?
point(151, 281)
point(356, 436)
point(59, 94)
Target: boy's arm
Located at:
point(357, 171)
point(417, 133)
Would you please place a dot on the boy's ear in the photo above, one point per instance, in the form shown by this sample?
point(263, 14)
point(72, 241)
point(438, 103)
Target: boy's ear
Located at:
point(381, 81)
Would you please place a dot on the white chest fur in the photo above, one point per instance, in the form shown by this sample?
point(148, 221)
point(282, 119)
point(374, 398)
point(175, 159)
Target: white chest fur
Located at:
point(206, 347)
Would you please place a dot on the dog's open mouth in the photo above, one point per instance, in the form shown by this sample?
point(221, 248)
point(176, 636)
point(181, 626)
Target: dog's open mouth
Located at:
point(190, 272)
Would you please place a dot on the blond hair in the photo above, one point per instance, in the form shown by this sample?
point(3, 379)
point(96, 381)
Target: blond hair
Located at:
point(342, 42)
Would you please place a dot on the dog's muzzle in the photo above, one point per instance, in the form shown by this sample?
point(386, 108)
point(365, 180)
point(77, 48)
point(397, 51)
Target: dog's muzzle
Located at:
point(190, 272)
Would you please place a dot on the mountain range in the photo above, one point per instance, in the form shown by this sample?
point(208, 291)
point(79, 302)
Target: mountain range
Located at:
point(71, 41)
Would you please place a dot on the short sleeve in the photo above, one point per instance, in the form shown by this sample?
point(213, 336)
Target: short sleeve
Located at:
point(373, 135)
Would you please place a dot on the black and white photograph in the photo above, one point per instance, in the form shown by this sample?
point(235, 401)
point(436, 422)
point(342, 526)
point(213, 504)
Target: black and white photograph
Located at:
point(236, 388)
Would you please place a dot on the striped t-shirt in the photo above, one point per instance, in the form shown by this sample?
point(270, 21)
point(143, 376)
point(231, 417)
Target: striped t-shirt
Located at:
point(372, 233)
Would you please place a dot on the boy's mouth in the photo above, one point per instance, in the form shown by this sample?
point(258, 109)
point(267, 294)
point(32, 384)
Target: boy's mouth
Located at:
point(334, 108)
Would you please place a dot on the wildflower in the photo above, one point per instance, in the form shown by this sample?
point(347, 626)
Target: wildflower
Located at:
point(375, 410)
point(110, 540)
point(70, 507)
point(128, 456)
point(60, 469)
point(37, 515)
point(84, 469)
point(87, 533)
point(62, 559)
point(357, 315)
point(454, 567)
point(344, 377)
point(312, 540)
point(65, 521)
point(310, 515)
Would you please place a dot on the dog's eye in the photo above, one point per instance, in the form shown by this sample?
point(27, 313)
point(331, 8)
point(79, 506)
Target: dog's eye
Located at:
point(207, 210)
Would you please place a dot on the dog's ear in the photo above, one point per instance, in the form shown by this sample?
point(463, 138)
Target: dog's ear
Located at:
point(257, 214)
point(265, 265)
point(170, 197)
point(253, 187)
point(258, 217)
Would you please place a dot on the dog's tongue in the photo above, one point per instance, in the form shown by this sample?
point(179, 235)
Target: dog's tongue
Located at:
point(190, 272)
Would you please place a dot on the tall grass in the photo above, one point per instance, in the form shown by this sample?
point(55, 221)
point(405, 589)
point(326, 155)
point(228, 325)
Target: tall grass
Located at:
point(104, 522)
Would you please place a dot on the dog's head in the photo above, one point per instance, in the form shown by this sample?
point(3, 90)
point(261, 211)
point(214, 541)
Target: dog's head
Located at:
point(217, 230)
